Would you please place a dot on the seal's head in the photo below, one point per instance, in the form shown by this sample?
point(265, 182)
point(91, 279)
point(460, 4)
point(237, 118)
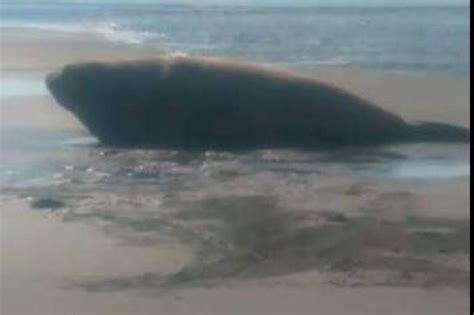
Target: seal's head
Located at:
point(77, 85)
point(114, 100)
point(78, 88)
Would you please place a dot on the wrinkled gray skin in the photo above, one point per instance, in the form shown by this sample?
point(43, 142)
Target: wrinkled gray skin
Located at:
point(197, 103)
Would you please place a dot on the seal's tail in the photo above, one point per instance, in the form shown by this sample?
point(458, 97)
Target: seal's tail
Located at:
point(439, 132)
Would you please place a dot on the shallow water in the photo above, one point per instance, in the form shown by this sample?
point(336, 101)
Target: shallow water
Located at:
point(15, 85)
point(37, 158)
point(48, 159)
point(427, 161)
point(430, 169)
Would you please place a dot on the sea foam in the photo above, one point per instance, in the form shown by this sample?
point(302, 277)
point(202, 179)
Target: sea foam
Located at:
point(110, 31)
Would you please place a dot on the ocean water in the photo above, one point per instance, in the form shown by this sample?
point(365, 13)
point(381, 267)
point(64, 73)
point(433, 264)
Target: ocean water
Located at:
point(404, 39)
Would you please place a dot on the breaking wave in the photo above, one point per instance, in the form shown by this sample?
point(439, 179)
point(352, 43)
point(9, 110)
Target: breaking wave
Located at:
point(108, 30)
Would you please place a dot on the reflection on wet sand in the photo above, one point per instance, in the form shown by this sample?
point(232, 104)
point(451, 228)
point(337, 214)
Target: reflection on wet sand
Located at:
point(263, 214)
point(250, 237)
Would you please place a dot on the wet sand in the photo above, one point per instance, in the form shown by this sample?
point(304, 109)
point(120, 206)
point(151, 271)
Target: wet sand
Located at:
point(78, 251)
point(263, 232)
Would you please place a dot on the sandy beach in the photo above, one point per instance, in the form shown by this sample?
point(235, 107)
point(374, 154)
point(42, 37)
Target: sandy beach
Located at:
point(265, 232)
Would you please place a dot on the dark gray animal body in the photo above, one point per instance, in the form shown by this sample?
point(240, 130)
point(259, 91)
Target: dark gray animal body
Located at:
point(204, 103)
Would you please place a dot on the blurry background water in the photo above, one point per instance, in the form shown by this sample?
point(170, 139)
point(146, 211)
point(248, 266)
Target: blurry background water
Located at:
point(408, 39)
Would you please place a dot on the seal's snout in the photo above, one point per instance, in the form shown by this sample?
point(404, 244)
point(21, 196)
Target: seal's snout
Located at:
point(51, 80)
point(54, 83)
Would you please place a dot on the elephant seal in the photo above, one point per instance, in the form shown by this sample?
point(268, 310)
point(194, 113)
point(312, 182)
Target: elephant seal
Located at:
point(197, 102)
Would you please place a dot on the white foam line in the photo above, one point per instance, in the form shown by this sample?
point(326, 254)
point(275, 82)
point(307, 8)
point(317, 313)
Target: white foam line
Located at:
point(109, 30)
